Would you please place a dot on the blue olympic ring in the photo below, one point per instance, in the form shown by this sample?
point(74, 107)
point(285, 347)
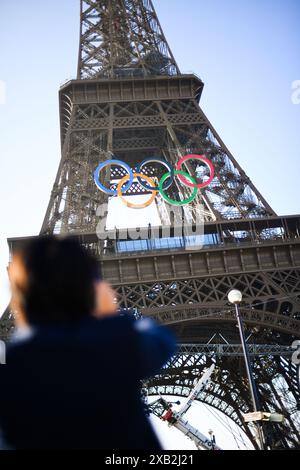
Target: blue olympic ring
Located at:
point(155, 160)
point(113, 162)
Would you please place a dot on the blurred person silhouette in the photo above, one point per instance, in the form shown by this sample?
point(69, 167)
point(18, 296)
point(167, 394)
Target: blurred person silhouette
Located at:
point(73, 372)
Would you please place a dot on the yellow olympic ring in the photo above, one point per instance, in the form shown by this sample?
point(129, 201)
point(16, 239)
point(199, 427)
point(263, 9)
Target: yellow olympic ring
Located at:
point(137, 206)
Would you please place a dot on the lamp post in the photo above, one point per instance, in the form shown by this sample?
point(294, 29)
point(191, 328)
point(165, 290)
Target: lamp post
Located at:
point(235, 297)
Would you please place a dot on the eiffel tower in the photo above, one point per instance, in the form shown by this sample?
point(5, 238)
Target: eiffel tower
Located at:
point(131, 101)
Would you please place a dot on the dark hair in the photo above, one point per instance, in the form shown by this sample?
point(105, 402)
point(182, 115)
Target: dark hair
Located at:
point(60, 280)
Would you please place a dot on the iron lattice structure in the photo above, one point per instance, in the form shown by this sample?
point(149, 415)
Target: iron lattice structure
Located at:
point(130, 100)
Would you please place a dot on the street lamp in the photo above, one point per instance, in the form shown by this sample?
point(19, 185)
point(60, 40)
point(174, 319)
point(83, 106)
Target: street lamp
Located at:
point(235, 297)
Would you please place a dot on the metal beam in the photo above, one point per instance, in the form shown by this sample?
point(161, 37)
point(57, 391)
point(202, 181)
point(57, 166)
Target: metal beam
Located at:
point(214, 350)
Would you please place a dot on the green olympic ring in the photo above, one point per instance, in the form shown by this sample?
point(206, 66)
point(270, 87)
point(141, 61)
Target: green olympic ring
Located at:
point(172, 201)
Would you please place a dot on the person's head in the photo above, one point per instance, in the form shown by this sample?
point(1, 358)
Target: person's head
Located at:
point(57, 281)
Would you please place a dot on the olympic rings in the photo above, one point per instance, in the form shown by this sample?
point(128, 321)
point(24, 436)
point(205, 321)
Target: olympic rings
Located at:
point(155, 160)
point(137, 206)
point(207, 163)
point(172, 201)
point(163, 184)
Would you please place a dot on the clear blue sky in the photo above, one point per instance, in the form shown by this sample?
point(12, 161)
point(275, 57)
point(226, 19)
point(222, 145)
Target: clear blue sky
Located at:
point(246, 52)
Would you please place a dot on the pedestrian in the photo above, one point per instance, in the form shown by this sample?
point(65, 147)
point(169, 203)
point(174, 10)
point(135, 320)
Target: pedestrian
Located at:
point(73, 371)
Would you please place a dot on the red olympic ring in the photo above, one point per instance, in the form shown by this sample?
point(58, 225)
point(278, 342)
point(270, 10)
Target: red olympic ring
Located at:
point(196, 157)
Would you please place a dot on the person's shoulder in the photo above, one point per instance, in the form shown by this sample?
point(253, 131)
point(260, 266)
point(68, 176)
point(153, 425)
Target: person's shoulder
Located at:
point(119, 320)
point(107, 326)
point(18, 348)
point(91, 330)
